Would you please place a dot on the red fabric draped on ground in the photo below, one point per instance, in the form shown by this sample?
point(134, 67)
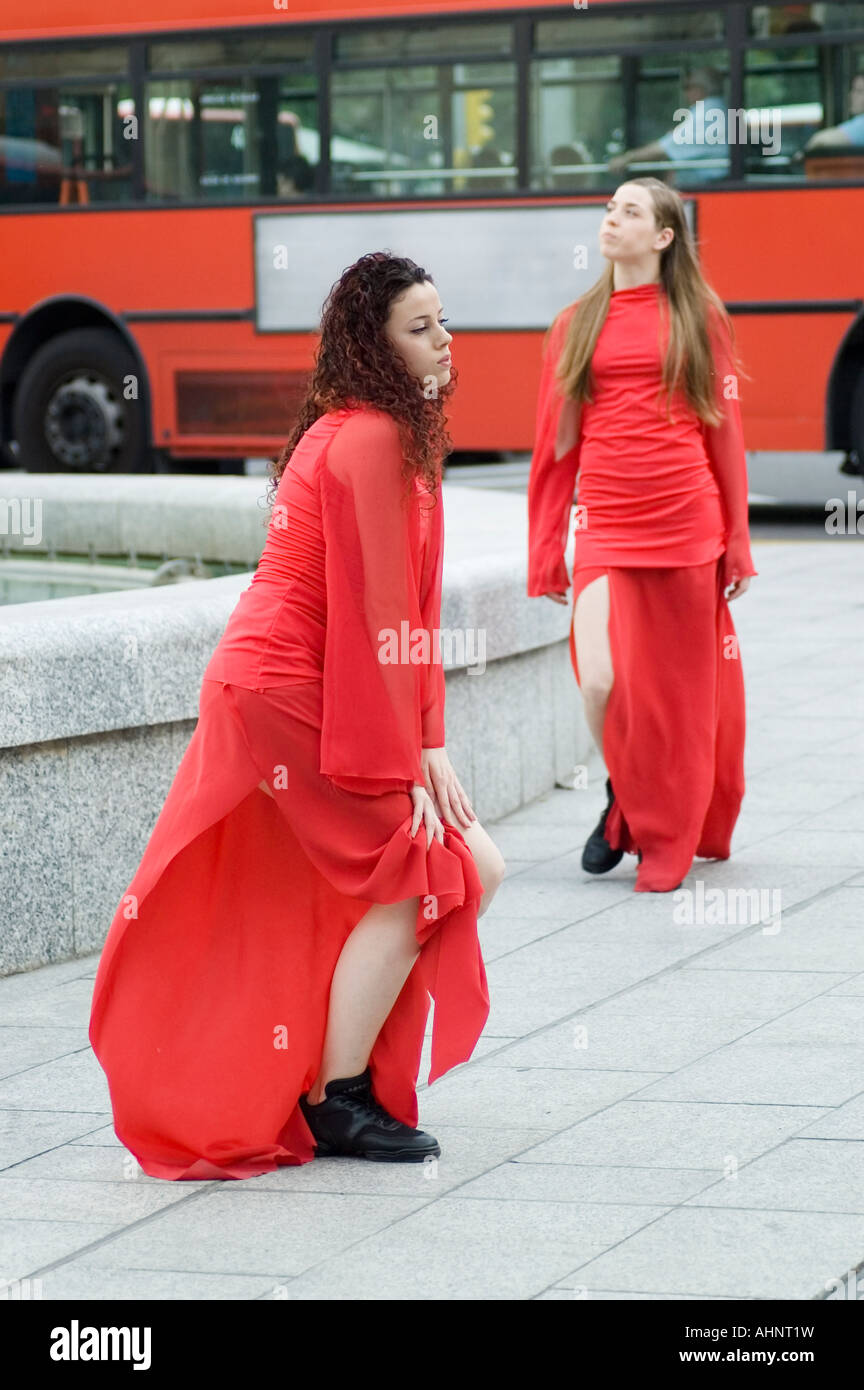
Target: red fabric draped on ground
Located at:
point(210, 1004)
point(673, 736)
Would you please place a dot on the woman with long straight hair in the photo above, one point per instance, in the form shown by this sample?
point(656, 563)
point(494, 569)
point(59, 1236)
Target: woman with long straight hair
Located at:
point(264, 988)
point(639, 403)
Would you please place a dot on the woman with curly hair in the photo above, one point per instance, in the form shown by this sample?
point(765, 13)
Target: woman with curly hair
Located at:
point(639, 403)
point(264, 988)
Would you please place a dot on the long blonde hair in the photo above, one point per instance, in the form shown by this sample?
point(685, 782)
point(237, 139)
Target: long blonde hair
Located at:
point(688, 361)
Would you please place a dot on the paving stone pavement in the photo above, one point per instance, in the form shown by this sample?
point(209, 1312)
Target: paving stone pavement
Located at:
point(657, 1109)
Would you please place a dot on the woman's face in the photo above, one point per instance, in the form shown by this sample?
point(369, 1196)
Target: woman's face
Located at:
point(415, 328)
point(629, 231)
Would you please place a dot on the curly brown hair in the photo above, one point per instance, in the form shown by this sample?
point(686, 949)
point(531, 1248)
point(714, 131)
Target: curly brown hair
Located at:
point(356, 364)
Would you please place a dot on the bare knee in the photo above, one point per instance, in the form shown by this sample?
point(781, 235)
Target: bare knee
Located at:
point(493, 873)
point(488, 859)
point(492, 869)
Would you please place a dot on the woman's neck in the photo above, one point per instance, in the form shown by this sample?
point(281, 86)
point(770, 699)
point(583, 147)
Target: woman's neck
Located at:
point(630, 277)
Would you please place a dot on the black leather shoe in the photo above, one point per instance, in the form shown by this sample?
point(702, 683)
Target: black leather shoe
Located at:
point(350, 1122)
point(598, 856)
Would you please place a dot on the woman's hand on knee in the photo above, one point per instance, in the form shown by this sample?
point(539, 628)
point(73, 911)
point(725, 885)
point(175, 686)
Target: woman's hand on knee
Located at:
point(443, 784)
point(424, 809)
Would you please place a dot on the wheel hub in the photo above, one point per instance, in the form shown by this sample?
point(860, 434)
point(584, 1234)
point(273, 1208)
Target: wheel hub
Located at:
point(84, 422)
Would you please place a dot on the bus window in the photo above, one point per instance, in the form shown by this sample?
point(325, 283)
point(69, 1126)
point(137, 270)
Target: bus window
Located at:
point(483, 124)
point(68, 145)
point(424, 130)
point(577, 121)
point(591, 28)
point(681, 128)
point(23, 63)
point(431, 42)
point(230, 139)
point(836, 150)
point(779, 18)
point(816, 95)
point(595, 117)
point(786, 87)
point(231, 50)
point(681, 121)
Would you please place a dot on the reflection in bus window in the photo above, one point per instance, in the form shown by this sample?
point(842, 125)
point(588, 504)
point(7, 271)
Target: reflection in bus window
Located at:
point(578, 105)
point(231, 50)
point(488, 157)
point(230, 139)
point(379, 119)
point(36, 64)
point(588, 27)
point(483, 120)
point(576, 120)
point(429, 40)
point(848, 132)
point(65, 145)
point(564, 161)
point(295, 173)
point(423, 131)
point(775, 20)
point(695, 139)
point(818, 116)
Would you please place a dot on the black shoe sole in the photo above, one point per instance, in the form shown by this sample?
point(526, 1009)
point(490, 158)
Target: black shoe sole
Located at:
point(375, 1156)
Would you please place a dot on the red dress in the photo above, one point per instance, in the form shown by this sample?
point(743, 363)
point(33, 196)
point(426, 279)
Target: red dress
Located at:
point(210, 1004)
point(662, 511)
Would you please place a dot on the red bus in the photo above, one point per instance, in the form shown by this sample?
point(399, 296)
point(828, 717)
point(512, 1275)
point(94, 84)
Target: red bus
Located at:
point(178, 193)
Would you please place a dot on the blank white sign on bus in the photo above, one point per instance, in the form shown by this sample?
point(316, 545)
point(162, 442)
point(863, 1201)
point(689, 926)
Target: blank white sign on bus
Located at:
point(493, 267)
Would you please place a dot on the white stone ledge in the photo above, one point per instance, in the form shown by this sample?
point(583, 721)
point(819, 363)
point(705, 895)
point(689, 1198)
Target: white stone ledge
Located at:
point(83, 665)
point(99, 694)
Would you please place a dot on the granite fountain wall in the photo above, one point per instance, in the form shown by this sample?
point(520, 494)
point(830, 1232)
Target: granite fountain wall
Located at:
point(99, 695)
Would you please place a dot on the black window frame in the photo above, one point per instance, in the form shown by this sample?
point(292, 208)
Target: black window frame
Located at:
point(736, 40)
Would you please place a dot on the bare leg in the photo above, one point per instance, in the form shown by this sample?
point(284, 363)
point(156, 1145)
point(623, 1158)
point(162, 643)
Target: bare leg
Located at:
point(488, 858)
point(593, 654)
point(374, 964)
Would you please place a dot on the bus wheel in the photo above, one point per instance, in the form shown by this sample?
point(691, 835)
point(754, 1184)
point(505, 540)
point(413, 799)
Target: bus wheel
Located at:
point(71, 413)
point(857, 428)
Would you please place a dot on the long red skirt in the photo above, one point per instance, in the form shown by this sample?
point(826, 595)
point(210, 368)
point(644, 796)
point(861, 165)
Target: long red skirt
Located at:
point(210, 1004)
point(673, 735)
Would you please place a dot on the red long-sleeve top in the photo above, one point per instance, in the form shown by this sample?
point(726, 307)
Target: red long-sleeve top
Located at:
point(652, 492)
point(348, 592)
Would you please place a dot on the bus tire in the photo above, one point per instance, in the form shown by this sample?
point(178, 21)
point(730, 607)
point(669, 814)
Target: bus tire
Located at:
point(856, 421)
point(71, 413)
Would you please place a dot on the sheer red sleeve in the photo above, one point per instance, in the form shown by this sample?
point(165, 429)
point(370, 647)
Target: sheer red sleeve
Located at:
point(552, 480)
point(724, 444)
point(373, 692)
point(432, 711)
